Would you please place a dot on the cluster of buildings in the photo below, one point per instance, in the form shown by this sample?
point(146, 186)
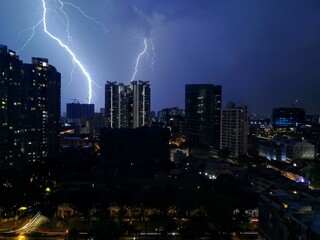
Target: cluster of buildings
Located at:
point(289, 141)
point(285, 214)
point(282, 149)
point(133, 142)
point(203, 121)
point(30, 115)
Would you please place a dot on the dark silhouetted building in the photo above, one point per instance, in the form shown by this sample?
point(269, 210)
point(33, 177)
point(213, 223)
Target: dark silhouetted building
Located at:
point(79, 111)
point(203, 111)
point(287, 117)
point(12, 108)
point(217, 95)
point(30, 110)
point(313, 119)
point(289, 215)
point(164, 113)
point(138, 152)
point(173, 118)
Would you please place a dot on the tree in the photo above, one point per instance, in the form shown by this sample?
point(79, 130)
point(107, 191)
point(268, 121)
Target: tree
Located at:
point(315, 175)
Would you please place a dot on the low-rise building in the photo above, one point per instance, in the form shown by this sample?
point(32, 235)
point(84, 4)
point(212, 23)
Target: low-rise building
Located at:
point(266, 179)
point(272, 151)
point(288, 215)
point(296, 150)
point(215, 168)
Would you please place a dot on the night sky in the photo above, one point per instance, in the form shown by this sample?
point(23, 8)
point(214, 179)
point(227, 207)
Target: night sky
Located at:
point(264, 53)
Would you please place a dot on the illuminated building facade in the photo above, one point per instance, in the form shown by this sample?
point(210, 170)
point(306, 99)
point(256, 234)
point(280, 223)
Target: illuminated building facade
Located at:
point(42, 110)
point(202, 113)
point(272, 151)
point(127, 106)
point(287, 117)
point(234, 129)
point(30, 110)
point(11, 108)
point(295, 150)
point(141, 103)
point(117, 105)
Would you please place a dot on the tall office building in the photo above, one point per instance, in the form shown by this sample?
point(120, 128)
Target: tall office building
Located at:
point(11, 108)
point(234, 129)
point(42, 110)
point(202, 113)
point(30, 110)
point(127, 106)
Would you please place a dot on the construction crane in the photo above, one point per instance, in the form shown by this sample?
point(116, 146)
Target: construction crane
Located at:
point(74, 100)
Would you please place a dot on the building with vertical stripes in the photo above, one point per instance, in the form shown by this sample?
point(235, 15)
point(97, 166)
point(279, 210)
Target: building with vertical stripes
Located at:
point(127, 106)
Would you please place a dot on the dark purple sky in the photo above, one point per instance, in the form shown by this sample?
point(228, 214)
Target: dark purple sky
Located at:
point(264, 53)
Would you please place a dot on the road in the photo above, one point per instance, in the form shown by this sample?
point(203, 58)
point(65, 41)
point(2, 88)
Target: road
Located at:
point(31, 225)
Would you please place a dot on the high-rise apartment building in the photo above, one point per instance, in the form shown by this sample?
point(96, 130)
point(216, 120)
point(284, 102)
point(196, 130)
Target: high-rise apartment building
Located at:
point(29, 110)
point(202, 113)
point(141, 103)
point(127, 106)
point(11, 108)
point(42, 110)
point(117, 105)
point(234, 129)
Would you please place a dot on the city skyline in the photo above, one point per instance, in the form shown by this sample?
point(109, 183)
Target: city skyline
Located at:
point(264, 54)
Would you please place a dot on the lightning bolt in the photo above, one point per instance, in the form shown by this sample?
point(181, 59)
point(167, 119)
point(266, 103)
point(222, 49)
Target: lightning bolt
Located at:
point(68, 50)
point(71, 75)
point(138, 59)
point(31, 36)
point(94, 22)
point(65, 20)
point(153, 57)
point(150, 57)
point(67, 23)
